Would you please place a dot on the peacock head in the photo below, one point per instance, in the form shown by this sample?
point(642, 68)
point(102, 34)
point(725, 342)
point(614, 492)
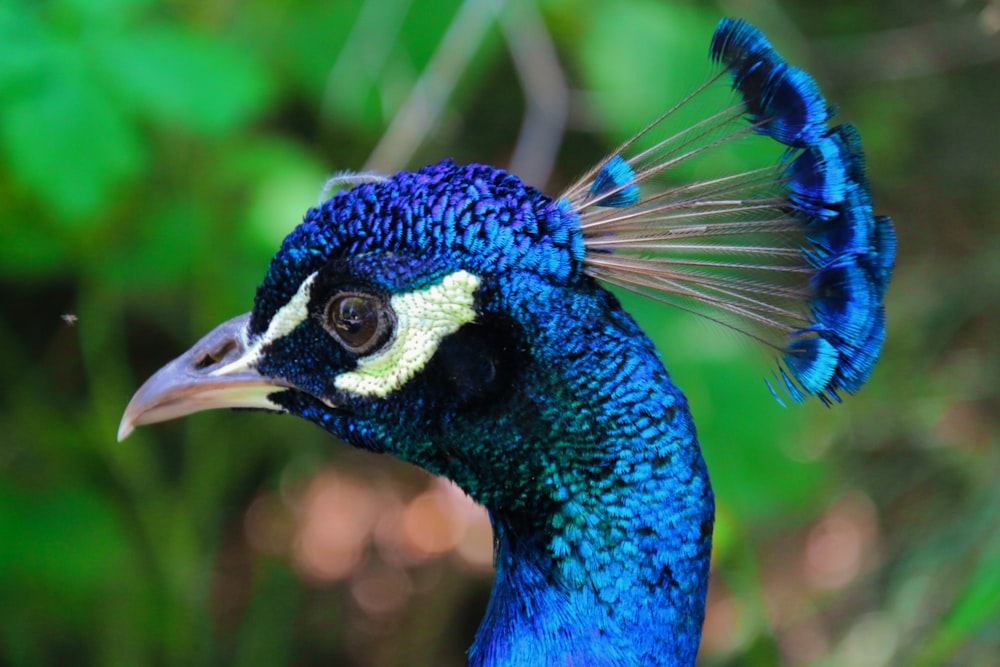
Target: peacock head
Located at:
point(452, 316)
point(401, 316)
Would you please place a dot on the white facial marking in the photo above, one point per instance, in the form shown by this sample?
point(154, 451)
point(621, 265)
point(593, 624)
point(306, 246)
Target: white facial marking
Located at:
point(284, 322)
point(423, 319)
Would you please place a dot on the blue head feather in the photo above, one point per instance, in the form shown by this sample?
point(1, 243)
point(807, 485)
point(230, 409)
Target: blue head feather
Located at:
point(845, 300)
point(817, 178)
point(784, 102)
point(615, 185)
point(812, 361)
point(860, 356)
point(474, 216)
point(883, 252)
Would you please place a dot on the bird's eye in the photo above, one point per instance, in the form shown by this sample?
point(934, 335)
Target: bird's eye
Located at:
point(360, 322)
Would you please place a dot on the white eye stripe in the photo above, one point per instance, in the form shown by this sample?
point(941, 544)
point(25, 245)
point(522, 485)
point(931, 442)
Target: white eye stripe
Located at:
point(284, 322)
point(423, 319)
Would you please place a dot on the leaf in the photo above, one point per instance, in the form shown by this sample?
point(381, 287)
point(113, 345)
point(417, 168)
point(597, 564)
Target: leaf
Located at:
point(182, 78)
point(301, 40)
point(32, 251)
point(67, 145)
point(65, 540)
point(642, 58)
point(24, 47)
point(977, 608)
point(281, 182)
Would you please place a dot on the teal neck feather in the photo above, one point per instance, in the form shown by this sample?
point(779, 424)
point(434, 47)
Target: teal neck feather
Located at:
point(598, 493)
point(553, 410)
point(614, 572)
point(585, 455)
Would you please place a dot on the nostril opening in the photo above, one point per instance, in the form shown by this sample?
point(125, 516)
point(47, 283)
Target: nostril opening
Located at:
point(205, 361)
point(215, 356)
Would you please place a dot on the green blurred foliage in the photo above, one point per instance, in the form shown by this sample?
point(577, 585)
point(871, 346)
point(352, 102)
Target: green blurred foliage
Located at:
point(155, 153)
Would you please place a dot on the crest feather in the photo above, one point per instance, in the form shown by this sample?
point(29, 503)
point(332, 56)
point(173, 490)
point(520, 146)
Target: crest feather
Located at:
point(789, 253)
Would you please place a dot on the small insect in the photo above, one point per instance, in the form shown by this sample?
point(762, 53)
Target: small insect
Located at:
point(70, 319)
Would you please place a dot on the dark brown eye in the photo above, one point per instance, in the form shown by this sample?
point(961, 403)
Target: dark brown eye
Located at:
point(360, 322)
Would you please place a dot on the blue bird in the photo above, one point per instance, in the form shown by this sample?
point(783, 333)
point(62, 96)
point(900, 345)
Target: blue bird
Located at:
point(455, 318)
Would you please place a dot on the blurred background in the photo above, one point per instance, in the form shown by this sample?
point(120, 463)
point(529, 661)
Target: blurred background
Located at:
point(153, 154)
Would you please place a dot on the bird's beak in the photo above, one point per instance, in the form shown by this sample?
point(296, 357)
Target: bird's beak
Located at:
point(206, 377)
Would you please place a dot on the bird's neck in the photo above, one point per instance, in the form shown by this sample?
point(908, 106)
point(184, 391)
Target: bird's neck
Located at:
point(606, 561)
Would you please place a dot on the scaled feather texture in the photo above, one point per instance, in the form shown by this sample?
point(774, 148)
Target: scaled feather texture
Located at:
point(453, 317)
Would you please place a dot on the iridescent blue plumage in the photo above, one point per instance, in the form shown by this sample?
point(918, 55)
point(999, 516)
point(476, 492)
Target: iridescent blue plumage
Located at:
point(817, 178)
point(472, 216)
point(882, 255)
point(828, 191)
point(614, 185)
point(453, 317)
point(818, 298)
point(782, 101)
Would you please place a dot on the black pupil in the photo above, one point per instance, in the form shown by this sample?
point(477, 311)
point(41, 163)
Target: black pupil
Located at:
point(355, 318)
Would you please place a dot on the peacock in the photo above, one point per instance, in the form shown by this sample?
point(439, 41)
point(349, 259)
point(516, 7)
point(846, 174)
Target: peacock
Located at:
point(458, 319)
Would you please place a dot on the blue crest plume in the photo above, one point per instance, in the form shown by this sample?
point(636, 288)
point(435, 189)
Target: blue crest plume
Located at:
point(783, 102)
point(789, 253)
point(614, 184)
point(883, 252)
